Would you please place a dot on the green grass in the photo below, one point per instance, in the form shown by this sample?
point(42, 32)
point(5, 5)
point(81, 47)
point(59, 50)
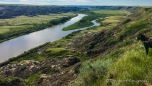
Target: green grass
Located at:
point(5, 29)
point(56, 52)
point(134, 27)
point(32, 79)
point(127, 64)
point(133, 65)
point(112, 12)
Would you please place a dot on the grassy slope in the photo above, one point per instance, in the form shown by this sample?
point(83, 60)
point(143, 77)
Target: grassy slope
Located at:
point(129, 66)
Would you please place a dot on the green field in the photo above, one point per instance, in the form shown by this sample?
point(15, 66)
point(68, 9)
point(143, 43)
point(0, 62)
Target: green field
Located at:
point(22, 22)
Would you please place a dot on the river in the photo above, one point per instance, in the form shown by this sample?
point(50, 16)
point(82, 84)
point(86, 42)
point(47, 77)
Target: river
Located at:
point(17, 46)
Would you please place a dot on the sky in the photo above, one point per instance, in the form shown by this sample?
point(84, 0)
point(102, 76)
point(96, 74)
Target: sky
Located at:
point(81, 2)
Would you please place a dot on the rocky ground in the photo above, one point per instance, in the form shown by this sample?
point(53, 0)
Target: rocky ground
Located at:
point(53, 72)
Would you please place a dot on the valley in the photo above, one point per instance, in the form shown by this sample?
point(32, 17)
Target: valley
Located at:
point(96, 56)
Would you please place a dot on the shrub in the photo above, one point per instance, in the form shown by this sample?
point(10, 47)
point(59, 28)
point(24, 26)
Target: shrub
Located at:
point(92, 73)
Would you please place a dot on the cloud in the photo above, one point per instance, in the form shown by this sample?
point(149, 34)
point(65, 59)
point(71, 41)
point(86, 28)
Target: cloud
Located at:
point(24, 0)
point(57, 2)
point(73, 1)
point(49, 2)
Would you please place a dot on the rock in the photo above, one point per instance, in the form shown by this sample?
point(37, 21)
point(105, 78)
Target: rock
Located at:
point(71, 61)
point(75, 69)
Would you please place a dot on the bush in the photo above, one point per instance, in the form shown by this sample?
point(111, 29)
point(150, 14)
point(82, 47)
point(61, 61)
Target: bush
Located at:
point(92, 73)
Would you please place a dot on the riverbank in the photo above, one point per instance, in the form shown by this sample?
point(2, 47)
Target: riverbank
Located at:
point(12, 28)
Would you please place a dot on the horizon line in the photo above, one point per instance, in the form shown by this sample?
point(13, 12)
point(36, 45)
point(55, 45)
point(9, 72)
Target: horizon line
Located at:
point(71, 5)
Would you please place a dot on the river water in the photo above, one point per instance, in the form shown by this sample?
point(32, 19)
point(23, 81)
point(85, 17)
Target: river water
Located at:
point(17, 46)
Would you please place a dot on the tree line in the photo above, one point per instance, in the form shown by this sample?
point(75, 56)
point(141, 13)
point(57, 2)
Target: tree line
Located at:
point(10, 11)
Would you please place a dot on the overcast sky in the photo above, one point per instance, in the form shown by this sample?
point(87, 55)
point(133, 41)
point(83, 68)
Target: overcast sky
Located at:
point(80, 2)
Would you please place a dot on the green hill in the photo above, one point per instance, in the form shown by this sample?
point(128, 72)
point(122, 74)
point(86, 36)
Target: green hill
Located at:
point(123, 61)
